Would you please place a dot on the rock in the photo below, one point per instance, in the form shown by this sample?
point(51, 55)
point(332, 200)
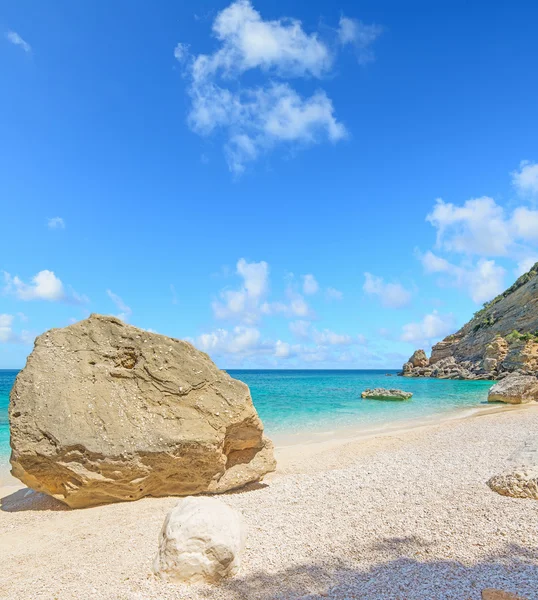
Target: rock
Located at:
point(519, 483)
point(515, 389)
point(419, 359)
point(105, 412)
point(384, 394)
point(491, 594)
point(489, 364)
point(202, 540)
point(407, 370)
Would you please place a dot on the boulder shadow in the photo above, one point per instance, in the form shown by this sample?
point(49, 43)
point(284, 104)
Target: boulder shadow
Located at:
point(26, 499)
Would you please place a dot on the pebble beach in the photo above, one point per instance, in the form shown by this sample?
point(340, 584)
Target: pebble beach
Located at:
point(404, 516)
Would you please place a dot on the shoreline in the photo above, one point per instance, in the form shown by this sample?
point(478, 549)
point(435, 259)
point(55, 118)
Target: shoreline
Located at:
point(294, 448)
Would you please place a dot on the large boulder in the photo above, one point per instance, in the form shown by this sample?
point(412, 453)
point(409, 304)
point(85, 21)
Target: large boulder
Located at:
point(515, 389)
point(105, 412)
point(202, 540)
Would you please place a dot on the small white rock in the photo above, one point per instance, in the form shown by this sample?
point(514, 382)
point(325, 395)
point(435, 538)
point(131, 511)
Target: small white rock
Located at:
point(202, 540)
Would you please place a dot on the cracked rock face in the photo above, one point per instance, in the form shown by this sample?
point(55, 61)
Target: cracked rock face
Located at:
point(105, 412)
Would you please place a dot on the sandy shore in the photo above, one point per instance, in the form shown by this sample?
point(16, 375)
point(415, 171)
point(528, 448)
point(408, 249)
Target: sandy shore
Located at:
point(406, 515)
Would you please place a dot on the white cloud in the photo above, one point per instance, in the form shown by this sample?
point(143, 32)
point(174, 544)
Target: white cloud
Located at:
point(244, 304)
point(478, 227)
point(7, 335)
point(16, 39)
point(483, 279)
point(432, 328)
point(525, 264)
point(482, 228)
point(56, 223)
point(524, 224)
point(283, 349)
point(6, 323)
point(256, 118)
point(126, 311)
point(241, 340)
point(486, 281)
point(525, 179)
point(181, 52)
point(44, 286)
point(310, 285)
point(361, 36)
point(391, 295)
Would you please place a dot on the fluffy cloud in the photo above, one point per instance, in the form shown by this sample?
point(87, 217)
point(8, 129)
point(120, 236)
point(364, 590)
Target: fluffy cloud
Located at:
point(249, 303)
point(483, 279)
point(310, 285)
point(256, 118)
point(432, 328)
point(359, 35)
point(477, 227)
point(16, 39)
point(391, 295)
point(126, 311)
point(241, 340)
point(44, 286)
point(525, 179)
point(181, 52)
point(244, 304)
point(56, 223)
point(480, 230)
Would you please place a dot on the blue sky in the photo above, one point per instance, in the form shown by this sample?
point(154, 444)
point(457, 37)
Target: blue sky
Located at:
point(286, 184)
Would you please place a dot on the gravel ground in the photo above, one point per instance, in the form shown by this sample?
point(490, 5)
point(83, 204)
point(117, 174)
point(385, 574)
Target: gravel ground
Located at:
point(404, 517)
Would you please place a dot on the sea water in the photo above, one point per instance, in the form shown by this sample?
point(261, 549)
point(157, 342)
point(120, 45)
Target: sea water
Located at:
point(294, 402)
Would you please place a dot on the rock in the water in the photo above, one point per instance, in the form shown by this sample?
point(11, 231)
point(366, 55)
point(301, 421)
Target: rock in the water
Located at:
point(519, 483)
point(515, 389)
point(419, 359)
point(384, 394)
point(105, 412)
point(202, 540)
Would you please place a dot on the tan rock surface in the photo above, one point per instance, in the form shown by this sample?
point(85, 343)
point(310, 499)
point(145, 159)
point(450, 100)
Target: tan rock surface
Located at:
point(419, 359)
point(491, 594)
point(105, 412)
point(515, 389)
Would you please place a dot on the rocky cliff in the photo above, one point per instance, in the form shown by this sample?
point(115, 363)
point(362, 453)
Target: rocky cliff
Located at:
point(501, 338)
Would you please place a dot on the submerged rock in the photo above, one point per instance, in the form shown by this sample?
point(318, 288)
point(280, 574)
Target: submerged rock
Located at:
point(515, 389)
point(202, 540)
point(105, 412)
point(384, 394)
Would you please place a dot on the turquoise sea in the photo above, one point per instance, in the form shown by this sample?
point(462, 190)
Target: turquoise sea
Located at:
point(292, 402)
